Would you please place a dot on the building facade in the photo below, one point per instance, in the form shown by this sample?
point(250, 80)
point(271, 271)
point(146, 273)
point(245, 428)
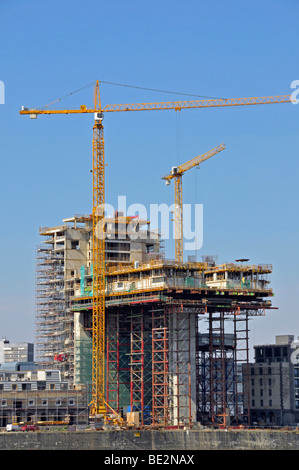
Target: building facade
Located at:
point(274, 384)
point(16, 352)
point(34, 396)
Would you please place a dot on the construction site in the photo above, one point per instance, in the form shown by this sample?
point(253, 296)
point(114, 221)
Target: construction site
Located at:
point(176, 334)
point(163, 343)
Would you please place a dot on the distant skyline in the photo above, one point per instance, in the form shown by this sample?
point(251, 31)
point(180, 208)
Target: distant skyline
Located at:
point(249, 192)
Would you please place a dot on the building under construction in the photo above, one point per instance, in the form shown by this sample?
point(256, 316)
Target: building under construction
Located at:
point(147, 314)
point(63, 261)
point(176, 333)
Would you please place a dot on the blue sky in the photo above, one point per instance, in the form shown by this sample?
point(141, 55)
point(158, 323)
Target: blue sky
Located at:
point(218, 49)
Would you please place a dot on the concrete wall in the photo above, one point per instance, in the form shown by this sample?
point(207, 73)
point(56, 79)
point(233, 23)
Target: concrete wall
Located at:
point(182, 367)
point(83, 347)
point(151, 440)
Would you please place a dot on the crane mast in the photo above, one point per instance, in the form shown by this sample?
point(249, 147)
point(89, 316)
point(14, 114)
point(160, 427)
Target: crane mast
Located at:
point(178, 218)
point(98, 261)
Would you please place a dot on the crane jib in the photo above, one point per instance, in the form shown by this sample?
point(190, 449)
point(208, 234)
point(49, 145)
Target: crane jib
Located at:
point(176, 105)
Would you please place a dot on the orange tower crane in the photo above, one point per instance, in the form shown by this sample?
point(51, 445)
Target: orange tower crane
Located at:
point(98, 404)
point(176, 174)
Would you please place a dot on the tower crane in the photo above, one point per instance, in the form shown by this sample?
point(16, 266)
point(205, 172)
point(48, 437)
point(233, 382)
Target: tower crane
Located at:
point(176, 174)
point(98, 404)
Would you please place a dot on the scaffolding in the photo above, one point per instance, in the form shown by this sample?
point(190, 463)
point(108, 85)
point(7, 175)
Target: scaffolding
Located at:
point(223, 368)
point(160, 367)
point(241, 332)
point(137, 362)
point(50, 304)
point(118, 358)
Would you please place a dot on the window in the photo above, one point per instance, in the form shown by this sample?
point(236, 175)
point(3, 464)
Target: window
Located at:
point(41, 385)
point(270, 392)
point(270, 402)
point(261, 381)
point(260, 352)
point(44, 402)
point(261, 392)
point(253, 402)
point(157, 272)
point(71, 401)
point(268, 352)
point(26, 386)
point(277, 352)
point(269, 382)
point(52, 386)
point(30, 402)
point(262, 403)
point(252, 392)
point(75, 244)
point(58, 402)
point(261, 370)
point(3, 402)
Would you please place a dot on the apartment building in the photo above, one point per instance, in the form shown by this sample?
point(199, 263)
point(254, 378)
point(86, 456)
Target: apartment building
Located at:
point(15, 352)
point(274, 383)
point(31, 395)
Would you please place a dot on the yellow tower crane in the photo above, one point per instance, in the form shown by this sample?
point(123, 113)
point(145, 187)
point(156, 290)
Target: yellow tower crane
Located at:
point(98, 404)
point(176, 174)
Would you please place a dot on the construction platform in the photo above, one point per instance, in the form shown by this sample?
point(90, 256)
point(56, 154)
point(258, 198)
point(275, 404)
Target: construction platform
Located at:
point(177, 337)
